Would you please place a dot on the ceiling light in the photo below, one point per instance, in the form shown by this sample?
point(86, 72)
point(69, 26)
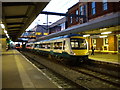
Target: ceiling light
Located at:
point(106, 32)
point(2, 25)
point(86, 35)
point(5, 31)
point(7, 36)
point(103, 36)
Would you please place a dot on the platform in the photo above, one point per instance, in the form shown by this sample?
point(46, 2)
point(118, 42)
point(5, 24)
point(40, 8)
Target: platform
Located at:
point(17, 72)
point(111, 58)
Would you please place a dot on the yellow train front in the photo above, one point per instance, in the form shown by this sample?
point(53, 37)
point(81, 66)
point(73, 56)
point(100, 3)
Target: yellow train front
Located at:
point(70, 48)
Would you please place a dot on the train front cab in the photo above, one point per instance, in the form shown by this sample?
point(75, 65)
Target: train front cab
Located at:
point(77, 48)
point(18, 47)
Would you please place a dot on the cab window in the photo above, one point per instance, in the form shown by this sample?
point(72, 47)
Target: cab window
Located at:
point(78, 43)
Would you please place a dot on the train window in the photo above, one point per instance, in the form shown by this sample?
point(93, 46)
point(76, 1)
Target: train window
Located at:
point(58, 45)
point(48, 45)
point(17, 45)
point(44, 46)
point(28, 46)
point(36, 45)
point(40, 45)
point(78, 43)
point(51, 44)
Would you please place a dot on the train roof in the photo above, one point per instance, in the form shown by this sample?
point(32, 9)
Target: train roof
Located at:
point(60, 37)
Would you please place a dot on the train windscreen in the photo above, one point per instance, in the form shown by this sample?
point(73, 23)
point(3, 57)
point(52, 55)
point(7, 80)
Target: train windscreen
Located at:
point(17, 45)
point(78, 43)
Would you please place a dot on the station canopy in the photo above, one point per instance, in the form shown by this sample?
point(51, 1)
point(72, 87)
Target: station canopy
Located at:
point(17, 16)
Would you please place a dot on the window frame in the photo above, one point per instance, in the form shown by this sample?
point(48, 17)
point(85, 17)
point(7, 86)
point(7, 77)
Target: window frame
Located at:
point(77, 43)
point(105, 5)
point(81, 10)
point(94, 41)
point(71, 21)
point(77, 13)
point(58, 45)
point(93, 8)
point(105, 41)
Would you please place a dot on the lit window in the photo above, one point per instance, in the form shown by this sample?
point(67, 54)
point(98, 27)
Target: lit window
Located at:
point(93, 8)
point(62, 26)
point(83, 10)
point(76, 16)
point(94, 41)
point(71, 19)
point(105, 5)
point(105, 41)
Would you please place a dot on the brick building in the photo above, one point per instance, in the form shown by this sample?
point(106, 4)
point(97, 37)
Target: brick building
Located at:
point(104, 39)
point(58, 26)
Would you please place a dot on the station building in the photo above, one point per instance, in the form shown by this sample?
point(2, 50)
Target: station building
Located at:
point(58, 26)
point(104, 39)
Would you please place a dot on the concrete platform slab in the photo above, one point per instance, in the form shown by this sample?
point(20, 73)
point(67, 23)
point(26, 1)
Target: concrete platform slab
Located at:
point(112, 58)
point(17, 72)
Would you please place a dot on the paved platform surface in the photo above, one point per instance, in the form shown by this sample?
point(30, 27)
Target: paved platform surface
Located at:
point(17, 72)
point(112, 58)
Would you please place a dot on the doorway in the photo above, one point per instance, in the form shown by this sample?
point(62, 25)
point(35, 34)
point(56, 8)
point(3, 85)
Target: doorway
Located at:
point(119, 43)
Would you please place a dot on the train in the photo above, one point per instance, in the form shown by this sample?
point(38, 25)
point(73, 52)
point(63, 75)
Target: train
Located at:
point(18, 46)
point(68, 48)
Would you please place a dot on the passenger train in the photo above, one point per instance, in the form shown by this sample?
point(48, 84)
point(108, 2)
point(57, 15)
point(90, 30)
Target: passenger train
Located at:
point(73, 48)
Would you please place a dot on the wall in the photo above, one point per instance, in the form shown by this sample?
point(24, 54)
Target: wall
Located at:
point(72, 10)
point(112, 7)
point(112, 42)
point(99, 43)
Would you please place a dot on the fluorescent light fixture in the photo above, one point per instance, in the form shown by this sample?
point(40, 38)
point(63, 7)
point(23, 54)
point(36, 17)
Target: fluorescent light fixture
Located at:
point(103, 36)
point(86, 35)
point(2, 25)
point(106, 32)
point(7, 36)
point(5, 31)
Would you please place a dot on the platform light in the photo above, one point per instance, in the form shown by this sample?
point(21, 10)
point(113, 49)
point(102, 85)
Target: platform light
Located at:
point(2, 25)
point(7, 36)
point(106, 32)
point(103, 36)
point(5, 31)
point(86, 35)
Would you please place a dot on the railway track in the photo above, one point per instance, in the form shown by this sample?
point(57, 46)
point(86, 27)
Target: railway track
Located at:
point(59, 80)
point(98, 75)
point(90, 75)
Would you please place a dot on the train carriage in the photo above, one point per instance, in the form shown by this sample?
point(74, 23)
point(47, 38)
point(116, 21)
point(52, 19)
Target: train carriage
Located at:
point(65, 48)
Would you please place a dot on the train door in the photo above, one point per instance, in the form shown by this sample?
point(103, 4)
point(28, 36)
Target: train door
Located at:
point(119, 43)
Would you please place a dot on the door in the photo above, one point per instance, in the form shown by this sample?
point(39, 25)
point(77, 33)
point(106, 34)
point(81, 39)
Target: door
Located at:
point(119, 43)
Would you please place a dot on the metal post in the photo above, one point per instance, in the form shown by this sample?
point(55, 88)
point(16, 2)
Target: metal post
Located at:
point(47, 24)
